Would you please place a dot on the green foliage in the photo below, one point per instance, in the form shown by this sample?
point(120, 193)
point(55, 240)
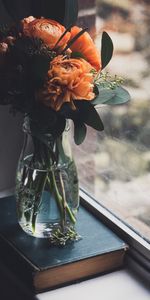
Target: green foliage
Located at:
point(108, 90)
point(79, 132)
point(103, 96)
point(60, 238)
point(89, 115)
point(117, 95)
point(106, 49)
point(26, 47)
point(84, 114)
point(105, 80)
point(45, 120)
point(121, 96)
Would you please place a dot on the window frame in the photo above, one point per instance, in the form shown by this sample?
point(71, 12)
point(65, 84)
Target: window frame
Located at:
point(138, 255)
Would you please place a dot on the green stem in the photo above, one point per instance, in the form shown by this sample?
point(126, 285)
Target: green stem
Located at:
point(59, 198)
point(64, 202)
point(42, 155)
point(38, 202)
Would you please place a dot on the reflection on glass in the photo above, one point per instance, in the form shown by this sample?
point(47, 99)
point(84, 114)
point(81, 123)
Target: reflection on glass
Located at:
point(114, 166)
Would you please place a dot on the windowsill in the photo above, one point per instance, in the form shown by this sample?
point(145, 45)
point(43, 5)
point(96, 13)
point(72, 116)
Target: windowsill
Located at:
point(117, 285)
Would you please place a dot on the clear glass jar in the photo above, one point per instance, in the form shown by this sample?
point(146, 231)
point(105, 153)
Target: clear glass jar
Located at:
point(47, 193)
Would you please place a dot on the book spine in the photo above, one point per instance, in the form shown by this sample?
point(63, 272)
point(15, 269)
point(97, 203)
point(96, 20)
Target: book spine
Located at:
point(17, 264)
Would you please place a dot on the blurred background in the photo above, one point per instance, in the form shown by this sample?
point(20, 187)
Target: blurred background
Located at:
point(114, 166)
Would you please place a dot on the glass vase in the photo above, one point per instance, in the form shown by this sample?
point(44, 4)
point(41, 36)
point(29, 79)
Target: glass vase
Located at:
point(47, 193)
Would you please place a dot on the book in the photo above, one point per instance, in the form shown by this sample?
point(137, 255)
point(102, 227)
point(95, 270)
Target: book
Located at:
point(42, 266)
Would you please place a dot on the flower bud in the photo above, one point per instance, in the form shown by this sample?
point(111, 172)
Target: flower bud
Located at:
point(3, 50)
point(10, 40)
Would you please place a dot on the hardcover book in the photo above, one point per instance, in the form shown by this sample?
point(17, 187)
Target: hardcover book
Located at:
point(43, 266)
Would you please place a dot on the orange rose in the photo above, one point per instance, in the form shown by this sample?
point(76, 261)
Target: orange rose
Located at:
point(85, 45)
point(45, 29)
point(68, 80)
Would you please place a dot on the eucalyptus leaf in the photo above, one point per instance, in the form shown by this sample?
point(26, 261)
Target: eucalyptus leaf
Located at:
point(121, 96)
point(103, 96)
point(79, 132)
point(106, 49)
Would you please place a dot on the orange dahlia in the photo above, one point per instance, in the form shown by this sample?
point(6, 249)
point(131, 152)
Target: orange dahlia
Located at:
point(68, 80)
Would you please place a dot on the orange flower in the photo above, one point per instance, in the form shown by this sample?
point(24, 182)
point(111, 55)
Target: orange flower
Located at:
point(68, 80)
point(85, 45)
point(47, 30)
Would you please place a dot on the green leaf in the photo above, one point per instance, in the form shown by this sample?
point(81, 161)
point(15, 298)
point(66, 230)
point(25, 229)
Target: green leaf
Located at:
point(121, 96)
point(103, 96)
point(93, 119)
point(106, 49)
point(89, 115)
point(79, 132)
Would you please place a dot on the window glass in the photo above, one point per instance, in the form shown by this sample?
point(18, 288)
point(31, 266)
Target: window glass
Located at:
point(114, 165)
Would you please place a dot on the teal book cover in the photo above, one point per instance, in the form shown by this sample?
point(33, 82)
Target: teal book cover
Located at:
point(43, 266)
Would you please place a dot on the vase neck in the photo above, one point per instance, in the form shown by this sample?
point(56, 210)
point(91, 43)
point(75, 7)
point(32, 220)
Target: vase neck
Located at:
point(43, 149)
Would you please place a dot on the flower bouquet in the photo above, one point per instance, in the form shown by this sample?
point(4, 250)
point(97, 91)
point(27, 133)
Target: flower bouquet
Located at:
point(52, 74)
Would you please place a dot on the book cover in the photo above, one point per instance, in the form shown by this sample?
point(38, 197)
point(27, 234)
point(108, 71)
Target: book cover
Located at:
point(42, 266)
